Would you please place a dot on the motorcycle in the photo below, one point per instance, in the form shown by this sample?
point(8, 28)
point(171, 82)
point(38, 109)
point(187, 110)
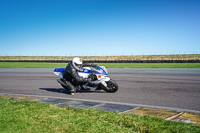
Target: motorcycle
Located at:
point(100, 81)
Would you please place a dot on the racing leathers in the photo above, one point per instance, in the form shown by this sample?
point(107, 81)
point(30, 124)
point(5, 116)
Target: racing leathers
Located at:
point(70, 74)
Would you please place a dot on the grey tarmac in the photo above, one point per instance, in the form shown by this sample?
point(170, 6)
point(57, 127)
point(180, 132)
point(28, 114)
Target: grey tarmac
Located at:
point(167, 88)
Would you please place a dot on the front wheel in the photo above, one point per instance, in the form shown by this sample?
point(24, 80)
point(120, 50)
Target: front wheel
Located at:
point(112, 86)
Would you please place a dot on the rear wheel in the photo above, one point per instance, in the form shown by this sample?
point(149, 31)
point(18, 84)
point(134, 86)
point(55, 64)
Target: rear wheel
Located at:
point(112, 86)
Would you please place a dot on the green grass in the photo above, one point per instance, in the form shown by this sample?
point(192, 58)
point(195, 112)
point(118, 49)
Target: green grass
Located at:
point(151, 65)
point(31, 65)
point(108, 65)
point(34, 117)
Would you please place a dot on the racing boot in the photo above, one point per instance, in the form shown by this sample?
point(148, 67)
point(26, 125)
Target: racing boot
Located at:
point(72, 89)
point(72, 92)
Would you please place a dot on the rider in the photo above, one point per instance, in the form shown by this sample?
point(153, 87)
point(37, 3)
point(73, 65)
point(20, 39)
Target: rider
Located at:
point(70, 74)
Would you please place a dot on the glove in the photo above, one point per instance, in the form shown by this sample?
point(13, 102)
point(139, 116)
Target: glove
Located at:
point(96, 66)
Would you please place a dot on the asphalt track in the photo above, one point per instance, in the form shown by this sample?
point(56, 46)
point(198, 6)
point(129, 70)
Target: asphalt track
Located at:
point(172, 88)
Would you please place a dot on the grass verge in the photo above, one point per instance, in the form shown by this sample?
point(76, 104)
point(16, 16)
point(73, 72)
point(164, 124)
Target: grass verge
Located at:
point(34, 117)
point(108, 65)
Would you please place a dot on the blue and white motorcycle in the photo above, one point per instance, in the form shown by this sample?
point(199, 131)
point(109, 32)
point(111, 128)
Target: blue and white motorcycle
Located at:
point(101, 81)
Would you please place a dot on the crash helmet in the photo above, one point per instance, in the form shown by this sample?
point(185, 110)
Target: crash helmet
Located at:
point(77, 63)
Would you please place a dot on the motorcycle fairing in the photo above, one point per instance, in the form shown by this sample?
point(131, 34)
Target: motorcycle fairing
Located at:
point(84, 71)
point(93, 71)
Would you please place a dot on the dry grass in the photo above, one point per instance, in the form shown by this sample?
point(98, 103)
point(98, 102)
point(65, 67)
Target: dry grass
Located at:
point(107, 58)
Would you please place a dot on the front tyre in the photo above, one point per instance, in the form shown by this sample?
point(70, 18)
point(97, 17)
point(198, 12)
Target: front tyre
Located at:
point(112, 86)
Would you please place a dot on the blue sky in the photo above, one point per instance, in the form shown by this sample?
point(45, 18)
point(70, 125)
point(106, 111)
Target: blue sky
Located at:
point(99, 27)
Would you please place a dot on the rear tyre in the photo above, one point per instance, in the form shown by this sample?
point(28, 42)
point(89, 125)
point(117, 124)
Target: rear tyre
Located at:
point(112, 86)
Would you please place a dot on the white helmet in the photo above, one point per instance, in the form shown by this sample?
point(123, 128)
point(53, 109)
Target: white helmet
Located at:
point(77, 63)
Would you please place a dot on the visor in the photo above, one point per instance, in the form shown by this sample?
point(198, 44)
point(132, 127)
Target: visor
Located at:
point(78, 65)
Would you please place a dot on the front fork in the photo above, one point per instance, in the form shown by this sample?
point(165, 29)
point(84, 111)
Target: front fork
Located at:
point(103, 82)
